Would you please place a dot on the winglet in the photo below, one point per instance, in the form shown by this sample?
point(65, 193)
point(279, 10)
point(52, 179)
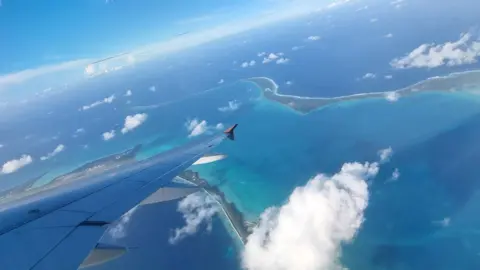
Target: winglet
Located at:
point(230, 132)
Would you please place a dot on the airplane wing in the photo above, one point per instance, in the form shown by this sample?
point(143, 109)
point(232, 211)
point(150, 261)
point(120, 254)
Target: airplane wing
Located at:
point(57, 228)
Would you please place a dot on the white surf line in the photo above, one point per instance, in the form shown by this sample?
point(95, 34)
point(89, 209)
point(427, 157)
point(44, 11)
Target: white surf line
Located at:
point(223, 210)
point(227, 216)
point(366, 94)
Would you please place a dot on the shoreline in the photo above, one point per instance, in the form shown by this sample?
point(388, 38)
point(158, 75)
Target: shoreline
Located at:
point(231, 213)
point(452, 82)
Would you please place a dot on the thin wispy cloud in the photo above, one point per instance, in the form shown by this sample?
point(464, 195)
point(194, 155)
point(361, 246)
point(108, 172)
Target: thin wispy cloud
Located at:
point(197, 209)
point(313, 38)
point(388, 77)
point(372, 20)
point(296, 48)
point(133, 121)
point(389, 35)
point(128, 93)
point(152, 88)
point(108, 135)
point(16, 164)
point(119, 230)
point(296, 236)
point(232, 106)
point(60, 148)
point(106, 100)
point(221, 81)
point(369, 76)
point(25, 75)
point(385, 154)
point(456, 53)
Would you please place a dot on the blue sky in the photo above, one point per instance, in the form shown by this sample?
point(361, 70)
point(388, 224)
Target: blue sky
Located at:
point(41, 39)
point(42, 32)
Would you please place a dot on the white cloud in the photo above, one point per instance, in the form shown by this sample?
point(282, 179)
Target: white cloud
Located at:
point(221, 81)
point(197, 208)
point(308, 231)
point(60, 148)
point(196, 127)
point(373, 20)
point(106, 100)
point(392, 96)
point(232, 106)
point(388, 77)
point(385, 154)
point(369, 76)
point(288, 82)
point(25, 75)
point(313, 38)
point(133, 121)
point(395, 175)
point(261, 54)
point(389, 35)
point(397, 3)
point(108, 135)
point(152, 88)
point(219, 126)
point(16, 164)
point(271, 57)
point(283, 61)
point(248, 64)
point(362, 8)
point(444, 222)
point(296, 48)
point(80, 130)
point(119, 230)
point(456, 53)
point(128, 93)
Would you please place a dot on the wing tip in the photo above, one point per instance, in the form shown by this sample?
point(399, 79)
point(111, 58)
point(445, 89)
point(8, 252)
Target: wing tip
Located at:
point(230, 132)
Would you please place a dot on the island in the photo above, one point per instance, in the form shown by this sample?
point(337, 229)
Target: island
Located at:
point(235, 218)
point(460, 81)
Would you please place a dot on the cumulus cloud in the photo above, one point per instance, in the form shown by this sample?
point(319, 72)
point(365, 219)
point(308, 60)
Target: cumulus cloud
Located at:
point(196, 127)
point(288, 82)
point(133, 121)
point(108, 135)
point(369, 76)
point(248, 64)
point(60, 148)
point(128, 93)
point(119, 230)
point(385, 154)
point(232, 106)
point(389, 35)
point(221, 81)
point(395, 175)
point(456, 53)
point(392, 96)
point(16, 164)
point(313, 38)
point(283, 61)
point(307, 232)
point(197, 208)
point(219, 126)
point(106, 100)
point(261, 54)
